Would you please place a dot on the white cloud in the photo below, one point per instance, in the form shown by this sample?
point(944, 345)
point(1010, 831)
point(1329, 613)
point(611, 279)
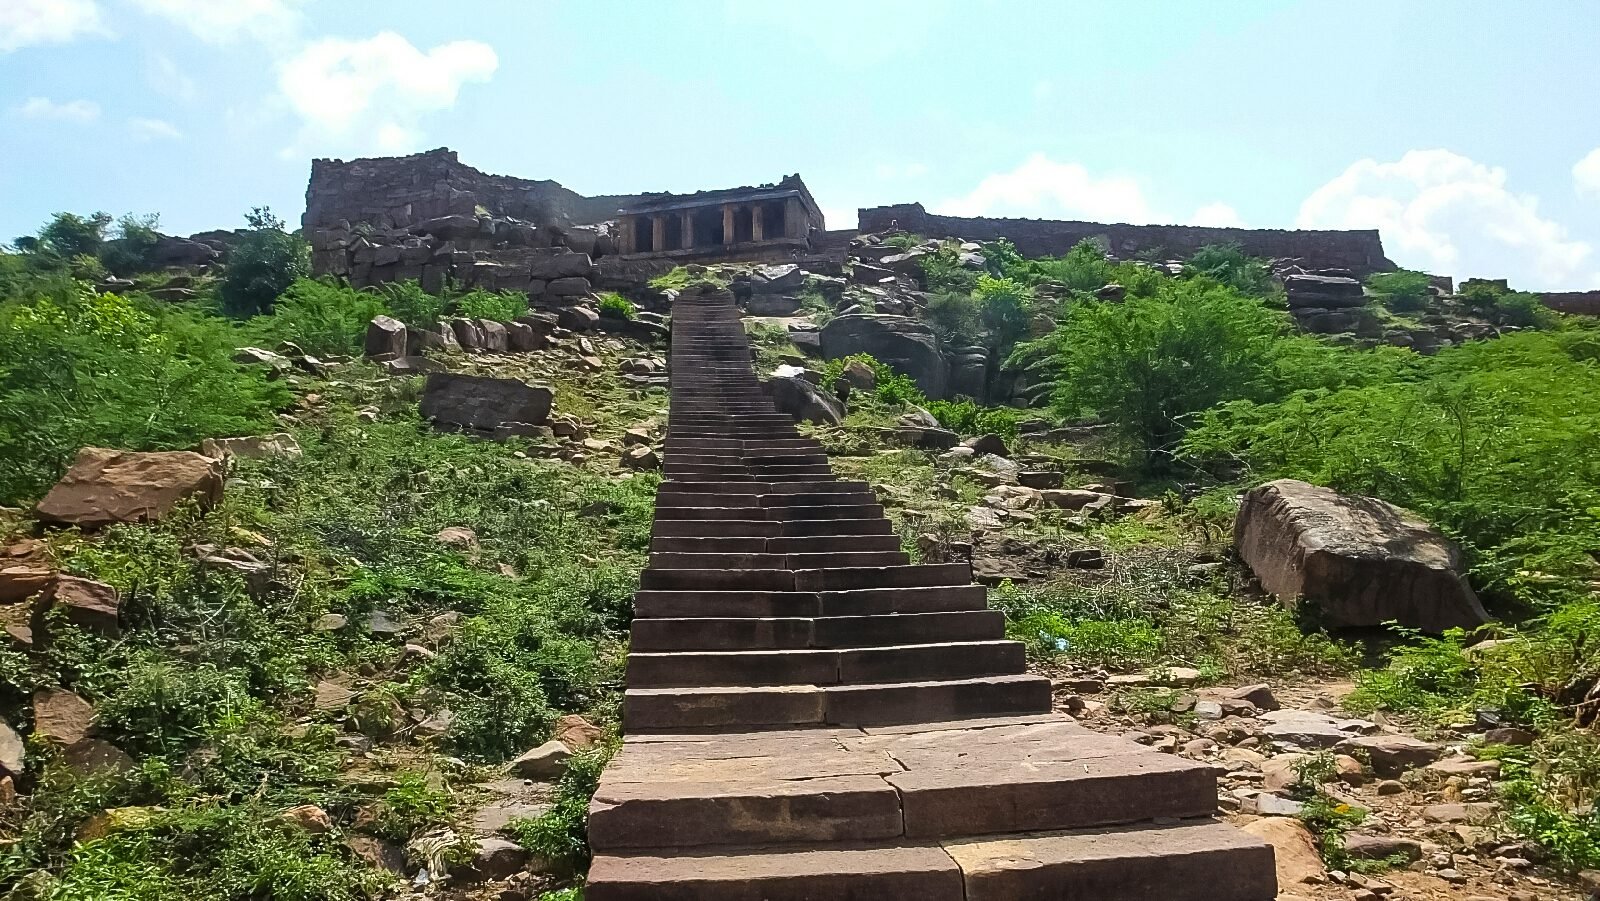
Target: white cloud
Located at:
point(1217, 215)
point(1442, 212)
point(1041, 187)
point(24, 23)
point(80, 111)
point(224, 21)
point(165, 76)
point(370, 95)
point(153, 129)
point(1586, 173)
point(888, 171)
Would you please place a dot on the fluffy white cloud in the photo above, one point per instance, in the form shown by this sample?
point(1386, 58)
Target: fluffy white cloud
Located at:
point(1586, 174)
point(153, 129)
point(80, 111)
point(1044, 188)
point(222, 21)
point(1217, 215)
point(369, 95)
point(24, 23)
point(1442, 212)
point(165, 76)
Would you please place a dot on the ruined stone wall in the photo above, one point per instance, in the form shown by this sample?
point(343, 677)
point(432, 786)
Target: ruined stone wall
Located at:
point(1586, 303)
point(1360, 251)
point(398, 192)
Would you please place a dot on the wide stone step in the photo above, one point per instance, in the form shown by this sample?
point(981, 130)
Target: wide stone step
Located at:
point(774, 633)
point(718, 560)
point(815, 544)
point(894, 663)
point(1188, 861)
point(850, 705)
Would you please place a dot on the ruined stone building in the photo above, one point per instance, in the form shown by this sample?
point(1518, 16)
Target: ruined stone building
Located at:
point(737, 223)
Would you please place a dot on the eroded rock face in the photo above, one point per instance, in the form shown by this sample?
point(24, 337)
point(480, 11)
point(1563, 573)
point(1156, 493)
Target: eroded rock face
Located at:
point(106, 486)
point(1362, 561)
point(803, 400)
point(483, 404)
point(908, 345)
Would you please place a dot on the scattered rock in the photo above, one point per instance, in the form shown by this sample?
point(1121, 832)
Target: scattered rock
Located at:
point(803, 400)
point(332, 697)
point(576, 732)
point(1509, 735)
point(93, 755)
point(543, 763)
point(460, 538)
point(1367, 846)
point(1310, 729)
point(331, 622)
point(988, 444)
point(1259, 695)
point(13, 753)
point(379, 853)
point(89, 605)
point(254, 447)
point(1392, 755)
point(1294, 849)
point(1476, 814)
point(497, 858)
point(640, 457)
point(482, 403)
point(61, 716)
point(309, 817)
point(1362, 561)
point(23, 580)
point(105, 486)
point(386, 337)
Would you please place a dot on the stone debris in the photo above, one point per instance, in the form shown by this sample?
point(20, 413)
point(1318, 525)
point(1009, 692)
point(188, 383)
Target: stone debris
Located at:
point(105, 486)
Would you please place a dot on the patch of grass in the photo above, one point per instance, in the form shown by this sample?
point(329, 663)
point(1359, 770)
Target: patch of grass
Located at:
point(558, 837)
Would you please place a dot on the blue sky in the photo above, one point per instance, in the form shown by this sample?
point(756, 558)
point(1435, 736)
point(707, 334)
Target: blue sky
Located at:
point(1468, 132)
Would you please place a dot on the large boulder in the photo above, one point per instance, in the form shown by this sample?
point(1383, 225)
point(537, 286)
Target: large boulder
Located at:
point(481, 403)
point(386, 338)
point(558, 263)
point(907, 345)
point(803, 400)
point(105, 486)
point(1326, 291)
point(1360, 560)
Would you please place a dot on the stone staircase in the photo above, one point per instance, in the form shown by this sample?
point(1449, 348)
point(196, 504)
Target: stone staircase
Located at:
point(809, 716)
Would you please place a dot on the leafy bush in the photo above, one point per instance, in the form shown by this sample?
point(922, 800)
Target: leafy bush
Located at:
point(1229, 265)
point(967, 418)
point(323, 318)
point(69, 235)
point(942, 271)
point(496, 306)
point(265, 262)
point(1006, 309)
point(1404, 291)
point(615, 306)
point(407, 302)
point(136, 239)
point(88, 370)
point(559, 836)
point(953, 316)
point(1498, 442)
point(1151, 365)
point(1084, 268)
point(1523, 309)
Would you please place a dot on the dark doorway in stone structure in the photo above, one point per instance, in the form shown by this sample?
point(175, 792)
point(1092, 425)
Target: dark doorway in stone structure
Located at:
point(772, 220)
point(707, 226)
point(643, 235)
point(674, 233)
point(743, 224)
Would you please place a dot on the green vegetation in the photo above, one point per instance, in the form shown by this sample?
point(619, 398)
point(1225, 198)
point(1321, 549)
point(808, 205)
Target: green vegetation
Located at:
point(615, 306)
point(1404, 291)
point(81, 369)
point(266, 261)
point(496, 306)
point(559, 835)
point(319, 317)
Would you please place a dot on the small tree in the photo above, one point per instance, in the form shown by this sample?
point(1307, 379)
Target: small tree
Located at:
point(1403, 291)
point(263, 265)
point(69, 235)
point(136, 240)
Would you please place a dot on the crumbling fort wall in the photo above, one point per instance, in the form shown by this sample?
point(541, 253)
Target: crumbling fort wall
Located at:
point(1360, 251)
point(1584, 302)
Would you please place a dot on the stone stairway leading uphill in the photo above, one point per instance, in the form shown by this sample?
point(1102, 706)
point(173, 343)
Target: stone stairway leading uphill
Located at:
point(809, 716)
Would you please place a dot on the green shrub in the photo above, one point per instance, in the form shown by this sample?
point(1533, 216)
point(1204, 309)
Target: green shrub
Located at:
point(1084, 268)
point(102, 370)
point(1006, 310)
point(136, 239)
point(953, 316)
point(69, 235)
point(1523, 309)
point(407, 302)
point(265, 262)
point(1404, 291)
point(967, 418)
point(615, 306)
point(322, 318)
point(559, 837)
point(496, 306)
point(1229, 265)
point(943, 273)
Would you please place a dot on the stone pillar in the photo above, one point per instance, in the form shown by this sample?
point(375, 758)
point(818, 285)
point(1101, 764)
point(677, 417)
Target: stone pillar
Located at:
point(755, 222)
point(658, 233)
point(727, 223)
point(687, 219)
point(794, 218)
point(625, 234)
